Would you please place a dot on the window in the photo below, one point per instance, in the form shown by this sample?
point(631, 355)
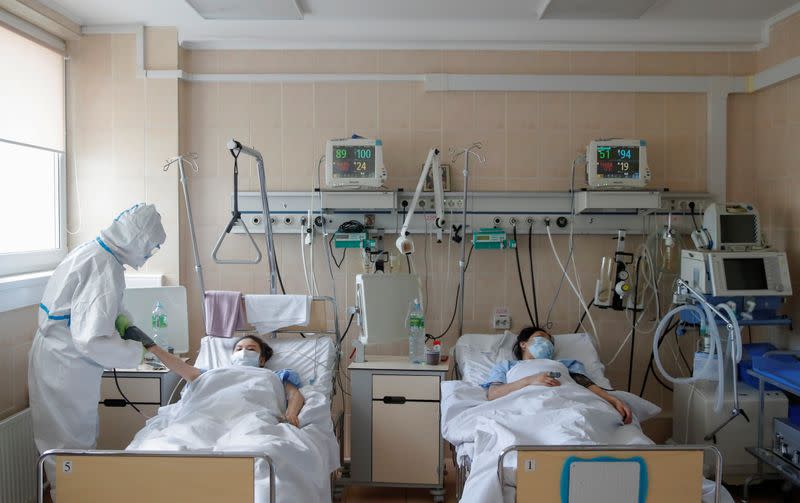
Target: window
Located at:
point(32, 167)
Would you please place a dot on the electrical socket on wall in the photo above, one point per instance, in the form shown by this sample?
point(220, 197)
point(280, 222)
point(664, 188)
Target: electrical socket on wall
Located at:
point(501, 318)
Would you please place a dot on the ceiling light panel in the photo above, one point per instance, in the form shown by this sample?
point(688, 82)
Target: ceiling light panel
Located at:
point(247, 9)
point(594, 9)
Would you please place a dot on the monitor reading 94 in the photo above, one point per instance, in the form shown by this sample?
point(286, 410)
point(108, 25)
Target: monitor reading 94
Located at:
point(618, 162)
point(353, 161)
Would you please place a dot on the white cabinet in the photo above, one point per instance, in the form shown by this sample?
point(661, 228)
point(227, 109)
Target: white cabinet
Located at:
point(147, 389)
point(395, 435)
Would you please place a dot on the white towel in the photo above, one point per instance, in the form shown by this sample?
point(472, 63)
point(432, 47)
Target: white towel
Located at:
point(270, 312)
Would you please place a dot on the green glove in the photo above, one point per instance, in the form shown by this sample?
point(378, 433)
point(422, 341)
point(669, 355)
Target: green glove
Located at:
point(122, 323)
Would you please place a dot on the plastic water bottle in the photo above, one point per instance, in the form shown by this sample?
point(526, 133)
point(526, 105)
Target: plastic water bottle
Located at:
point(159, 323)
point(416, 336)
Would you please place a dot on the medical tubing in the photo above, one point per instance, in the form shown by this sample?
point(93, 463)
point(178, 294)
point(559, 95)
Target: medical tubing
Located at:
point(715, 348)
point(533, 278)
point(119, 389)
point(633, 321)
point(572, 285)
point(521, 283)
point(455, 307)
point(303, 258)
point(583, 317)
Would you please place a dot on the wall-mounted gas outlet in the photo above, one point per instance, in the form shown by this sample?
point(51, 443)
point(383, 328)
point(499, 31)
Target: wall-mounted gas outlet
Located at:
point(501, 318)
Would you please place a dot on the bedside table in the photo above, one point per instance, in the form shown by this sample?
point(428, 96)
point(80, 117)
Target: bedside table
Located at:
point(395, 433)
point(146, 388)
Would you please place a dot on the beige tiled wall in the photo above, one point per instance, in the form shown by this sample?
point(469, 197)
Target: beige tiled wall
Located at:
point(121, 129)
point(766, 173)
point(16, 335)
point(530, 140)
point(784, 43)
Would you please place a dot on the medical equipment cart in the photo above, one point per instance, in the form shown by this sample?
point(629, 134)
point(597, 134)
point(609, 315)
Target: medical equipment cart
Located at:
point(146, 388)
point(395, 434)
point(785, 469)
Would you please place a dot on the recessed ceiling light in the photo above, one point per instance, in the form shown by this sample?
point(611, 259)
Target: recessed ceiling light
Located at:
point(247, 9)
point(593, 9)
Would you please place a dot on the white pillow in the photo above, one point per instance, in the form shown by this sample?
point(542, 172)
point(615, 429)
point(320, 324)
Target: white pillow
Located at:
point(313, 358)
point(476, 354)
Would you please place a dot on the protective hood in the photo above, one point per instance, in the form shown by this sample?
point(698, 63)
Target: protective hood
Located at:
point(134, 234)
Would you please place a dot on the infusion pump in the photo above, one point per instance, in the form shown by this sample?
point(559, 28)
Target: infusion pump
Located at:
point(617, 164)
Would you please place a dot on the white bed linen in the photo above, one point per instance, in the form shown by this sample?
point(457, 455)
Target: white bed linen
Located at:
point(313, 358)
point(537, 415)
point(476, 354)
point(238, 409)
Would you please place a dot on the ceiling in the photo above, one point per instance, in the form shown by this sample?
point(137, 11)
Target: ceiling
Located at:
point(594, 24)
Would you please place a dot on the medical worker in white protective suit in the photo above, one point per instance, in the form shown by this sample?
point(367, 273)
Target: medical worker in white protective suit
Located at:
point(77, 339)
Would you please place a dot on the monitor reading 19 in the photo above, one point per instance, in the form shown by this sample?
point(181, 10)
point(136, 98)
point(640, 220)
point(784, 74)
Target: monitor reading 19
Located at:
point(617, 164)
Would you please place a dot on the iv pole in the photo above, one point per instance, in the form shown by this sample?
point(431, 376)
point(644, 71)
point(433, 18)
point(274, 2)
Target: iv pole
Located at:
point(462, 263)
point(191, 158)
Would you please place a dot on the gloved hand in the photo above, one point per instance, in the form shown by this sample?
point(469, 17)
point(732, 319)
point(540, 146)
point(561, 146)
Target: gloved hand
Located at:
point(134, 333)
point(122, 323)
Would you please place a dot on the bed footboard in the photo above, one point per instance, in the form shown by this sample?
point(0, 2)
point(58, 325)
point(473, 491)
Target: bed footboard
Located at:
point(655, 473)
point(133, 476)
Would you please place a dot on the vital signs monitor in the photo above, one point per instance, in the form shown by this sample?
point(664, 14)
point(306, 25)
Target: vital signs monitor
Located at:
point(617, 164)
point(354, 163)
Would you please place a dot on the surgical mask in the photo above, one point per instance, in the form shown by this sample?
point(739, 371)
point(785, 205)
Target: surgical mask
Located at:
point(541, 348)
point(246, 358)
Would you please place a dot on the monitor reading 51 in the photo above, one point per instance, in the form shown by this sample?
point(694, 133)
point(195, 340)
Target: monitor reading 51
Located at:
point(617, 164)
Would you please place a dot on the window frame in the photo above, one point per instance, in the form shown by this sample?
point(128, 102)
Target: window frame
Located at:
point(37, 261)
point(22, 264)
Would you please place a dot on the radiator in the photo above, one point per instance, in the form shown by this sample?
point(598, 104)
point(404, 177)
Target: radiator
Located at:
point(18, 459)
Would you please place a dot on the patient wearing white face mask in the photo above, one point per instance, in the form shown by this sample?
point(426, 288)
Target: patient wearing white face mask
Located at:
point(534, 343)
point(249, 351)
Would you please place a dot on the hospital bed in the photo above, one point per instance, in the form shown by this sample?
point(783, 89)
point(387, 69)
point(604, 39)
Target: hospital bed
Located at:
point(161, 475)
point(475, 354)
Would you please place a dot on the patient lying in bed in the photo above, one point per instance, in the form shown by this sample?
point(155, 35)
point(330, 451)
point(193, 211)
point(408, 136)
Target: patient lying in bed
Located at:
point(249, 351)
point(533, 343)
point(247, 408)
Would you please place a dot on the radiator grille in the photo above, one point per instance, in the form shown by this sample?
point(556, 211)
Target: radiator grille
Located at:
point(18, 458)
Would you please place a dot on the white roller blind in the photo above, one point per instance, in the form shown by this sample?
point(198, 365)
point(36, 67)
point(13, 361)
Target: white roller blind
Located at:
point(31, 92)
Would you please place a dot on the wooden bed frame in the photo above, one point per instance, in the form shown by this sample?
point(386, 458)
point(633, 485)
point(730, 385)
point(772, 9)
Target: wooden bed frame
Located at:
point(95, 476)
point(674, 473)
point(135, 476)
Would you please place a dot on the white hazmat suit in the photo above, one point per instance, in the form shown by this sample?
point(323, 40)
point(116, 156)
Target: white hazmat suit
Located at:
point(76, 338)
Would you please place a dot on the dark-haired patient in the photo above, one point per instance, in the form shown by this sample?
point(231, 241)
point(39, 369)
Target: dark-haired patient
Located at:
point(249, 351)
point(535, 343)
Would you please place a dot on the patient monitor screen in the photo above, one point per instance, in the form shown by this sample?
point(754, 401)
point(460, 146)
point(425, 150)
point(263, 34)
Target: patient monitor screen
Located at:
point(353, 161)
point(618, 162)
point(738, 228)
point(745, 273)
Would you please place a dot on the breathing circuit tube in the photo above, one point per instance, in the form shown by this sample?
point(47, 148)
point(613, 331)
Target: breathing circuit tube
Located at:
point(716, 347)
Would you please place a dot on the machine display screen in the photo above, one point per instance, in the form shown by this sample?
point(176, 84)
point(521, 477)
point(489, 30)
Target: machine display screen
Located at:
point(737, 229)
point(618, 162)
point(353, 161)
point(745, 273)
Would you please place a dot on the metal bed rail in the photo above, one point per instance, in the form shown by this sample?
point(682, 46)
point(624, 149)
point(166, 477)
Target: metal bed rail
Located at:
point(628, 448)
point(175, 454)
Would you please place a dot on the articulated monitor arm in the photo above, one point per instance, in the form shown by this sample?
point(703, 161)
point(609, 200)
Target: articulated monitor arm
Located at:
point(404, 243)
